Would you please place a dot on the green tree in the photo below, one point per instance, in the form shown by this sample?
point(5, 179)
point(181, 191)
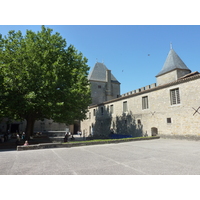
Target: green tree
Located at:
point(40, 77)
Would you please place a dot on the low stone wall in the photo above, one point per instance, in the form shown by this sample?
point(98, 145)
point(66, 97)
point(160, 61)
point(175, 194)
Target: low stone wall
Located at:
point(74, 144)
point(181, 137)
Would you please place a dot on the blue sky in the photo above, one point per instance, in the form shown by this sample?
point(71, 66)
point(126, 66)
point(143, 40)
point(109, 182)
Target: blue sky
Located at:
point(135, 54)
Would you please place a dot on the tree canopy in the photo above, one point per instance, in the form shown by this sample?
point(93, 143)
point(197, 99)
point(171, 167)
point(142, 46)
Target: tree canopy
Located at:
point(40, 77)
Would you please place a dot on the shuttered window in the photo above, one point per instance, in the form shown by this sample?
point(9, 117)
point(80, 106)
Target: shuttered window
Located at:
point(125, 109)
point(89, 115)
point(145, 104)
point(175, 96)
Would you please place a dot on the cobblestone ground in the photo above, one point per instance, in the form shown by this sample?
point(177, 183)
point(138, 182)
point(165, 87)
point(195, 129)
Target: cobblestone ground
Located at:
point(151, 157)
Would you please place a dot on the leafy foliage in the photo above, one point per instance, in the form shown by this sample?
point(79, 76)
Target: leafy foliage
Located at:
point(40, 77)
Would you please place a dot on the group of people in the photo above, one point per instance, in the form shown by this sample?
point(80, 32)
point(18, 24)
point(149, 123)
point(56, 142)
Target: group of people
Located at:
point(4, 137)
point(23, 138)
point(79, 133)
point(68, 134)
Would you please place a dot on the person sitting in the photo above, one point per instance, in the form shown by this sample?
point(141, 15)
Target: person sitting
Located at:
point(26, 143)
point(72, 138)
point(66, 137)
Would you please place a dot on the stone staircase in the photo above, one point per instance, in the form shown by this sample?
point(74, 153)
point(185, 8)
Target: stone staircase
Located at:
point(56, 136)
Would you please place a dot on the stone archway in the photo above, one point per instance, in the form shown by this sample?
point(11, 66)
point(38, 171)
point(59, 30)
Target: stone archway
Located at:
point(154, 131)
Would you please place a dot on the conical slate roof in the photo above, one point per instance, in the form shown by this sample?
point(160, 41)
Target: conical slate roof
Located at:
point(172, 62)
point(98, 73)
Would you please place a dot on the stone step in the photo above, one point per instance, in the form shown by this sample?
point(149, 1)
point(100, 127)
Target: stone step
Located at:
point(56, 139)
point(61, 139)
point(56, 133)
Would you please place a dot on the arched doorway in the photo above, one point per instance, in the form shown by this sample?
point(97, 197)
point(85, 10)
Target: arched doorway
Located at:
point(154, 131)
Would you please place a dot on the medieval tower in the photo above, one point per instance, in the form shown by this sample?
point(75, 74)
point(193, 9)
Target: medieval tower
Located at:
point(104, 86)
point(173, 69)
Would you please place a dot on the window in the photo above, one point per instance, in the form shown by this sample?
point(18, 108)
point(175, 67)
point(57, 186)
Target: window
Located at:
point(111, 109)
point(145, 102)
point(108, 108)
point(125, 109)
point(89, 115)
point(169, 121)
point(101, 110)
point(99, 86)
point(94, 112)
point(175, 96)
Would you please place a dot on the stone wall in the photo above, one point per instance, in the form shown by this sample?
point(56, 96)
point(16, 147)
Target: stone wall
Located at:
point(159, 118)
point(171, 76)
point(99, 91)
point(167, 78)
point(39, 126)
point(49, 125)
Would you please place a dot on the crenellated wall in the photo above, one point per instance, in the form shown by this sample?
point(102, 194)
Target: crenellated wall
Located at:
point(160, 117)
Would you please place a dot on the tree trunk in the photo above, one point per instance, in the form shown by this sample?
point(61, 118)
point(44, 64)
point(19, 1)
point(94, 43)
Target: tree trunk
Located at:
point(29, 126)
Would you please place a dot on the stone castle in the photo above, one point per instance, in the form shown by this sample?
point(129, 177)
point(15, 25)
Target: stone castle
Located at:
point(168, 108)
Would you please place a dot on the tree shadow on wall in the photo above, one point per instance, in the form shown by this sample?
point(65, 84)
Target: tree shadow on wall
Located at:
point(106, 124)
point(126, 125)
point(102, 125)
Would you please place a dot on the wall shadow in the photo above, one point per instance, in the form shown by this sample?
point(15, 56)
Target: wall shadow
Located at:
point(126, 125)
point(107, 124)
point(102, 125)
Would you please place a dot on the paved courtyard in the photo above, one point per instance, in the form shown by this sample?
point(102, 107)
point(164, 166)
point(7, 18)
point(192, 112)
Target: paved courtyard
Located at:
point(150, 157)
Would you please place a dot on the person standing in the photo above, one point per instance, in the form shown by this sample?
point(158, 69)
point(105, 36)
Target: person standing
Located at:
point(18, 139)
point(66, 137)
point(23, 136)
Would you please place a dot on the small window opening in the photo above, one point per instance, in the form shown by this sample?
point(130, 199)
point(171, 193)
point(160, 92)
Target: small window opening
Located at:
point(169, 121)
point(102, 110)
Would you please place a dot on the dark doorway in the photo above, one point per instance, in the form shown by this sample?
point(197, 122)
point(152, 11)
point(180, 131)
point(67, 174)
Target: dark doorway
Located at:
point(14, 128)
point(76, 127)
point(154, 131)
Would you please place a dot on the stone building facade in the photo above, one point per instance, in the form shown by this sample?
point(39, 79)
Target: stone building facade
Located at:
point(169, 108)
point(46, 125)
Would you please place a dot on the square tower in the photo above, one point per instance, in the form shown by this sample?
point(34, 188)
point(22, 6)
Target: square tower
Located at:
point(104, 86)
